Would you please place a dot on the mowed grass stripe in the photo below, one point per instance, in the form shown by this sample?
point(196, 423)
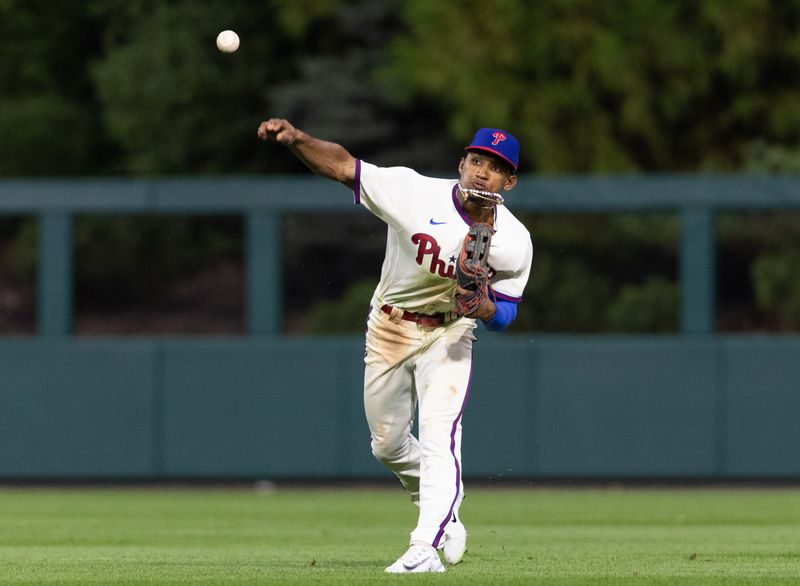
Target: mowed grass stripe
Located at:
point(348, 536)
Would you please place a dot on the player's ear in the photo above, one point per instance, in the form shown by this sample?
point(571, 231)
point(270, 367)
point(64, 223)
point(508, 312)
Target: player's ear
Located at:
point(510, 183)
point(461, 164)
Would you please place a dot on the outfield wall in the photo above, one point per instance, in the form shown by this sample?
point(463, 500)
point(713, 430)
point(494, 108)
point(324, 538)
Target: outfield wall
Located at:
point(693, 404)
point(568, 407)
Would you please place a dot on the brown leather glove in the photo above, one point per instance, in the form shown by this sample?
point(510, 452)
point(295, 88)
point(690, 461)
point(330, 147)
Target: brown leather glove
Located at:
point(472, 270)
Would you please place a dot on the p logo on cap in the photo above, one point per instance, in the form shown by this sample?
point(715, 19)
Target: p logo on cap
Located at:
point(498, 136)
point(497, 142)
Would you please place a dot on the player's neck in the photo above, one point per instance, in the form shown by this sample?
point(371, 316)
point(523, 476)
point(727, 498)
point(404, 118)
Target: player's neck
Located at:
point(478, 214)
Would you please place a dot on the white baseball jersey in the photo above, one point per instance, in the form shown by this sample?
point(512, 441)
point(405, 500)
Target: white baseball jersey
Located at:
point(427, 226)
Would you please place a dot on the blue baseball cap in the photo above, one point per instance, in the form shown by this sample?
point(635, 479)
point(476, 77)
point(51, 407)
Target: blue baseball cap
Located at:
point(497, 142)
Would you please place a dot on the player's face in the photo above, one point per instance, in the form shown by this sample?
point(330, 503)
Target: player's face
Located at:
point(486, 173)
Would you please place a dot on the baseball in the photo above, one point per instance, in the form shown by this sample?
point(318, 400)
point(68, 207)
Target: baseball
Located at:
point(227, 41)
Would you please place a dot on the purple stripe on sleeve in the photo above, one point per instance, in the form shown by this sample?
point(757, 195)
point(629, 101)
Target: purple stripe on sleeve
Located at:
point(504, 297)
point(449, 516)
point(459, 209)
point(357, 184)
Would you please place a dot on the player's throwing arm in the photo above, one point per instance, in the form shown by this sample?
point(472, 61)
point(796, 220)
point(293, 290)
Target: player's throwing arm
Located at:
point(324, 158)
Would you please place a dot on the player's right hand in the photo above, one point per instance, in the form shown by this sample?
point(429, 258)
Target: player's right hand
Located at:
point(278, 130)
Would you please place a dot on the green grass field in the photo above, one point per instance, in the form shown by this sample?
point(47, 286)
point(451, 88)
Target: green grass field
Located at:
point(348, 536)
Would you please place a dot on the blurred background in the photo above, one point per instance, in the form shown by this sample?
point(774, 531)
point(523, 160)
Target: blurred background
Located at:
point(135, 93)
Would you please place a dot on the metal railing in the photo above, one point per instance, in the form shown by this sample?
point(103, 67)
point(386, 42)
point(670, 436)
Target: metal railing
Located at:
point(263, 201)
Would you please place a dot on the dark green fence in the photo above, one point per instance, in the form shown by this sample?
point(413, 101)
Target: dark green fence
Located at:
point(693, 404)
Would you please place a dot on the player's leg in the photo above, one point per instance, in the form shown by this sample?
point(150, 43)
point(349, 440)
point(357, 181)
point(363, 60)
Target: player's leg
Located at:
point(390, 397)
point(442, 377)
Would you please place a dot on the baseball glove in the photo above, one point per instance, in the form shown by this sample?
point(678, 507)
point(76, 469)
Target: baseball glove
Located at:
point(472, 269)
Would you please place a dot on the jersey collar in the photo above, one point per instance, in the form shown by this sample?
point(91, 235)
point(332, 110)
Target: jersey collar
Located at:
point(463, 214)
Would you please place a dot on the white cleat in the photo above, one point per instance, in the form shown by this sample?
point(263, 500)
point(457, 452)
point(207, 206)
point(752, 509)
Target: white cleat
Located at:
point(455, 542)
point(419, 558)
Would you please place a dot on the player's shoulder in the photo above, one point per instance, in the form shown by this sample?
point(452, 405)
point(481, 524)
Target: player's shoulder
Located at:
point(367, 168)
point(373, 169)
point(507, 222)
point(406, 175)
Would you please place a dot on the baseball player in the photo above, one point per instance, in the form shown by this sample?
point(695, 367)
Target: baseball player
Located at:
point(424, 311)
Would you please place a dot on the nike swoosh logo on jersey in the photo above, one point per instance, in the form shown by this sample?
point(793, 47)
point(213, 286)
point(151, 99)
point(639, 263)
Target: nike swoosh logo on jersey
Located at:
point(435, 223)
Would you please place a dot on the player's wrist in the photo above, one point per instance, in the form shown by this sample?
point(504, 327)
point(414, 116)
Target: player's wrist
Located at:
point(297, 138)
point(487, 311)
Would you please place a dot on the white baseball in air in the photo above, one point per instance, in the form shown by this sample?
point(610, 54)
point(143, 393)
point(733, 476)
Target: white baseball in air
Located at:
point(227, 41)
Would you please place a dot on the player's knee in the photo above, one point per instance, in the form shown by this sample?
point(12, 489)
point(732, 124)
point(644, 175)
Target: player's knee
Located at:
point(386, 449)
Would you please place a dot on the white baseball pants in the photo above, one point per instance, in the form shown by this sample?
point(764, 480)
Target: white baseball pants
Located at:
point(406, 365)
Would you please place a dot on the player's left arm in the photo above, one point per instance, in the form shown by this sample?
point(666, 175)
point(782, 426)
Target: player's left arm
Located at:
point(496, 315)
point(487, 309)
point(505, 313)
point(506, 292)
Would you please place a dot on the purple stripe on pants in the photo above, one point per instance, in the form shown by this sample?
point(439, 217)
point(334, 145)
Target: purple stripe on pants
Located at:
point(446, 520)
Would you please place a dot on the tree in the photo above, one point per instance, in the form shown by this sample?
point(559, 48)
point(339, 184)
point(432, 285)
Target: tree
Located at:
point(171, 100)
point(621, 85)
point(49, 120)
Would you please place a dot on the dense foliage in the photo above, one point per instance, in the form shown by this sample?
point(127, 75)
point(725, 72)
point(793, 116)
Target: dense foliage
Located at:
point(619, 85)
point(137, 87)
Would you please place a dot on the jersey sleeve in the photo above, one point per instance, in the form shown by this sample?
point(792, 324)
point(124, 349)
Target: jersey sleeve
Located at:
point(509, 284)
point(387, 192)
point(505, 313)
